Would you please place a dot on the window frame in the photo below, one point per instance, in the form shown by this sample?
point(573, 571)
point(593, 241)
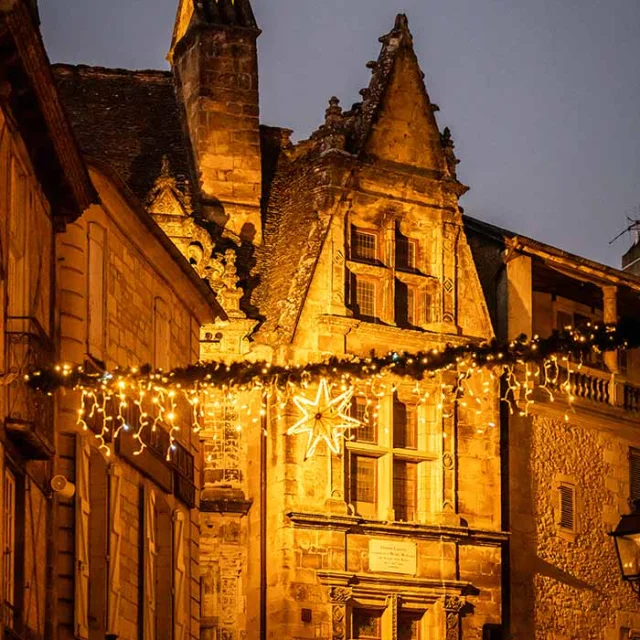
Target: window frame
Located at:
point(425, 455)
point(354, 253)
point(369, 282)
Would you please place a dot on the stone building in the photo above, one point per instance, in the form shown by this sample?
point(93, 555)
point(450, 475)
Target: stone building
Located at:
point(346, 243)
point(190, 231)
point(571, 467)
point(43, 187)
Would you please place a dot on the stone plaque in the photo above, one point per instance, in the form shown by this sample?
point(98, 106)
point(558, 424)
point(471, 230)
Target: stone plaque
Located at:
point(393, 556)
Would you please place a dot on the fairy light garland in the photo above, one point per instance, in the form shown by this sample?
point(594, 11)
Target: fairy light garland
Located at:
point(523, 365)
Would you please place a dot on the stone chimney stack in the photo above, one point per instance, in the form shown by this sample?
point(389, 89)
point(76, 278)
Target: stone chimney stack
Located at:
point(215, 65)
point(631, 259)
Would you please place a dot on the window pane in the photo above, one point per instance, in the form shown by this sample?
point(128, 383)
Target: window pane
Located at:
point(364, 245)
point(366, 298)
point(405, 251)
point(404, 490)
point(366, 624)
point(412, 316)
point(409, 626)
point(364, 413)
point(429, 314)
point(405, 425)
point(363, 479)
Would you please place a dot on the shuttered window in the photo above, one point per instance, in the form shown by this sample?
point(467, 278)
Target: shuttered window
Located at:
point(98, 550)
point(162, 339)
point(96, 290)
point(9, 551)
point(115, 545)
point(82, 512)
point(634, 475)
point(179, 577)
point(150, 553)
point(567, 520)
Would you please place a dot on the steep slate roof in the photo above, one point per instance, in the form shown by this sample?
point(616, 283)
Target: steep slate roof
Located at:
point(129, 119)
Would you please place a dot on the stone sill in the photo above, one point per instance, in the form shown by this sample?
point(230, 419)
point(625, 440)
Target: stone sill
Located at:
point(356, 524)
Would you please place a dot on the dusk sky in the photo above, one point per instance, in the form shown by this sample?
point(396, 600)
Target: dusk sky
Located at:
point(542, 96)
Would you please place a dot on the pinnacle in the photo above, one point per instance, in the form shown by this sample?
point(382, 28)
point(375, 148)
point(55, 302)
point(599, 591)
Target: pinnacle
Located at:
point(400, 31)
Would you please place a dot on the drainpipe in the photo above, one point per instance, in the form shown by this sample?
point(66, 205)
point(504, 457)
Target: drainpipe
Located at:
point(263, 517)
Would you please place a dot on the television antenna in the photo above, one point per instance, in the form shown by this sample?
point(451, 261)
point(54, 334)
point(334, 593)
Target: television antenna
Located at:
point(633, 225)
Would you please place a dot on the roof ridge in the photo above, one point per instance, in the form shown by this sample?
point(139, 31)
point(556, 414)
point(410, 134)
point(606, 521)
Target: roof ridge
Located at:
point(165, 73)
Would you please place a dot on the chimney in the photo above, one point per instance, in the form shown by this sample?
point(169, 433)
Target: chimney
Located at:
point(215, 65)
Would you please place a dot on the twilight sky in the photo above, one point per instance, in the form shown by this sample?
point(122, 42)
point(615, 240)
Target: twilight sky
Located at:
point(542, 96)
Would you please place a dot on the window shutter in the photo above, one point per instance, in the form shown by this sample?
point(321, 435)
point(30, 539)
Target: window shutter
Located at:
point(162, 340)
point(96, 290)
point(150, 553)
point(634, 474)
point(115, 543)
point(179, 576)
point(82, 510)
point(567, 507)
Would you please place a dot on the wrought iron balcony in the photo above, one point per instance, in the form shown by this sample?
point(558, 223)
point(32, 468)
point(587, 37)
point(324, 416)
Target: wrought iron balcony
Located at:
point(29, 419)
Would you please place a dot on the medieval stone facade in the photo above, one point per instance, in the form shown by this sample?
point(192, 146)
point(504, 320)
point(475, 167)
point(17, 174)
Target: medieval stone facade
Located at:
point(180, 229)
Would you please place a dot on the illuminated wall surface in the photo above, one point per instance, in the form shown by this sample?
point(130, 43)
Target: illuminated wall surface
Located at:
point(149, 219)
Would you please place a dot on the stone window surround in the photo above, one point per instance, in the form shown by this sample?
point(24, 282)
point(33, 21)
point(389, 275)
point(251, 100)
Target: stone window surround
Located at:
point(384, 278)
point(425, 455)
point(384, 269)
point(441, 602)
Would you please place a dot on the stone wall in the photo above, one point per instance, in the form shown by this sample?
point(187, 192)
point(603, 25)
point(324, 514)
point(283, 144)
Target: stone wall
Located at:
point(568, 586)
point(138, 271)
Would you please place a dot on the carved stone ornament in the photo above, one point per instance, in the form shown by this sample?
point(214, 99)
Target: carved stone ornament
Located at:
point(339, 594)
point(165, 197)
point(453, 606)
point(338, 616)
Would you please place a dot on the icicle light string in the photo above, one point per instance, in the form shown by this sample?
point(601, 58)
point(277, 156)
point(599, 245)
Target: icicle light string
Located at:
point(156, 394)
point(569, 342)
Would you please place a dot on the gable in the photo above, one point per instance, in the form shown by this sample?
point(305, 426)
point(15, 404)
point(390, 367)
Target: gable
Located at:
point(405, 129)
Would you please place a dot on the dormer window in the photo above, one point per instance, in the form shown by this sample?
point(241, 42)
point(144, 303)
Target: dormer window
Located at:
point(364, 245)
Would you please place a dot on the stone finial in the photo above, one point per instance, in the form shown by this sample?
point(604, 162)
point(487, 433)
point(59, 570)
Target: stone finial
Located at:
point(331, 135)
point(399, 32)
point(333, 115)
point(449, 151)
point(165, 197)
point(222, 274)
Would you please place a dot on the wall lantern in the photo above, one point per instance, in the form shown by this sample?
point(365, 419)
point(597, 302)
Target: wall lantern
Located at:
point(627, 539)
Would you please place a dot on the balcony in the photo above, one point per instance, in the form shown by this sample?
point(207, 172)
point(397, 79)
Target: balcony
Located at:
point(29, 419)
point(595, 388)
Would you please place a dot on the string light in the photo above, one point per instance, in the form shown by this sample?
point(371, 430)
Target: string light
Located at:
point(159, 397)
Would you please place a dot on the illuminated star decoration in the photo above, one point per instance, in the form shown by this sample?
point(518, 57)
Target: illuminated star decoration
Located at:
point(324, 418)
